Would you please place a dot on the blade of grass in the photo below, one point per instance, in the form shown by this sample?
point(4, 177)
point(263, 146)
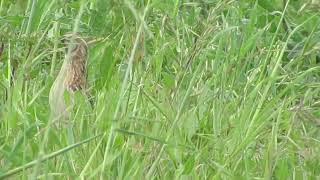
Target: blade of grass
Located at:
point(121, 95)
point(46, 157)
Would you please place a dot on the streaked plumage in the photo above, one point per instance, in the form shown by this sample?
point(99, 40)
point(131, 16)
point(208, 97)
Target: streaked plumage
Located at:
point(72, 76)
point(76, 77)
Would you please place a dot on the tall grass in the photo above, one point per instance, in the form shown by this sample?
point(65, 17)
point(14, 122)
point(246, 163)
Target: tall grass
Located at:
point(218, 89)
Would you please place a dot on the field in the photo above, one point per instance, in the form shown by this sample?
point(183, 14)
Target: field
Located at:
point(204, 89)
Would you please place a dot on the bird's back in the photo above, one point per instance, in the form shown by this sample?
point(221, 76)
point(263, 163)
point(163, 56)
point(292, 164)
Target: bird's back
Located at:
point(76, 77)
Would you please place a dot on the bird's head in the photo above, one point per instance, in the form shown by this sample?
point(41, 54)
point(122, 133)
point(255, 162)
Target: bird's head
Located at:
point(73, 43)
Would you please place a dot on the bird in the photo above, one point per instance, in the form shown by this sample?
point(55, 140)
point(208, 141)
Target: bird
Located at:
point(76, 77)
point(72, 76)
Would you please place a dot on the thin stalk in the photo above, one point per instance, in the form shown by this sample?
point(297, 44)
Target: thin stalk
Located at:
point(46, 157)
point(55, 47)
point(122, 92)
point(173, 126)
point(123, 87)
point(33, 7)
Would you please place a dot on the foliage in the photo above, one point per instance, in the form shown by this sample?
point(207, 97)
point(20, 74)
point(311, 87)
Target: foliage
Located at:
point(219, 89)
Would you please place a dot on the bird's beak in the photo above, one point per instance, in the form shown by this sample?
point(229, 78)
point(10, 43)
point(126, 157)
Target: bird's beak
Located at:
point(64, 40)
point(64, 43)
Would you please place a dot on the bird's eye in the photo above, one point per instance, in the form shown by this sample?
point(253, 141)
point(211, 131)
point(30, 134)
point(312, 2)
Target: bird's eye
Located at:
point(72, 47)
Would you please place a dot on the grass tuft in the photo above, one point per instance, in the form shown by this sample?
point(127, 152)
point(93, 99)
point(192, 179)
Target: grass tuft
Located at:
point(218, 89)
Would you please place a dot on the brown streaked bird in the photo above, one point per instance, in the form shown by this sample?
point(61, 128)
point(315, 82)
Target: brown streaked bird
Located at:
point(76, 77)
point(72, 76)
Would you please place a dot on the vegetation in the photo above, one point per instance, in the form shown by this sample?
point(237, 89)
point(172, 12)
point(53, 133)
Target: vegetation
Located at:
point(206, 89)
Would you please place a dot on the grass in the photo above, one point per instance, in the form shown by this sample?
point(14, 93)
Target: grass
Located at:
point(219, 89)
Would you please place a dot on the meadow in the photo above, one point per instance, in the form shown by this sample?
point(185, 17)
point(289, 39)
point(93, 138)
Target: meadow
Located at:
point(182, 89)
